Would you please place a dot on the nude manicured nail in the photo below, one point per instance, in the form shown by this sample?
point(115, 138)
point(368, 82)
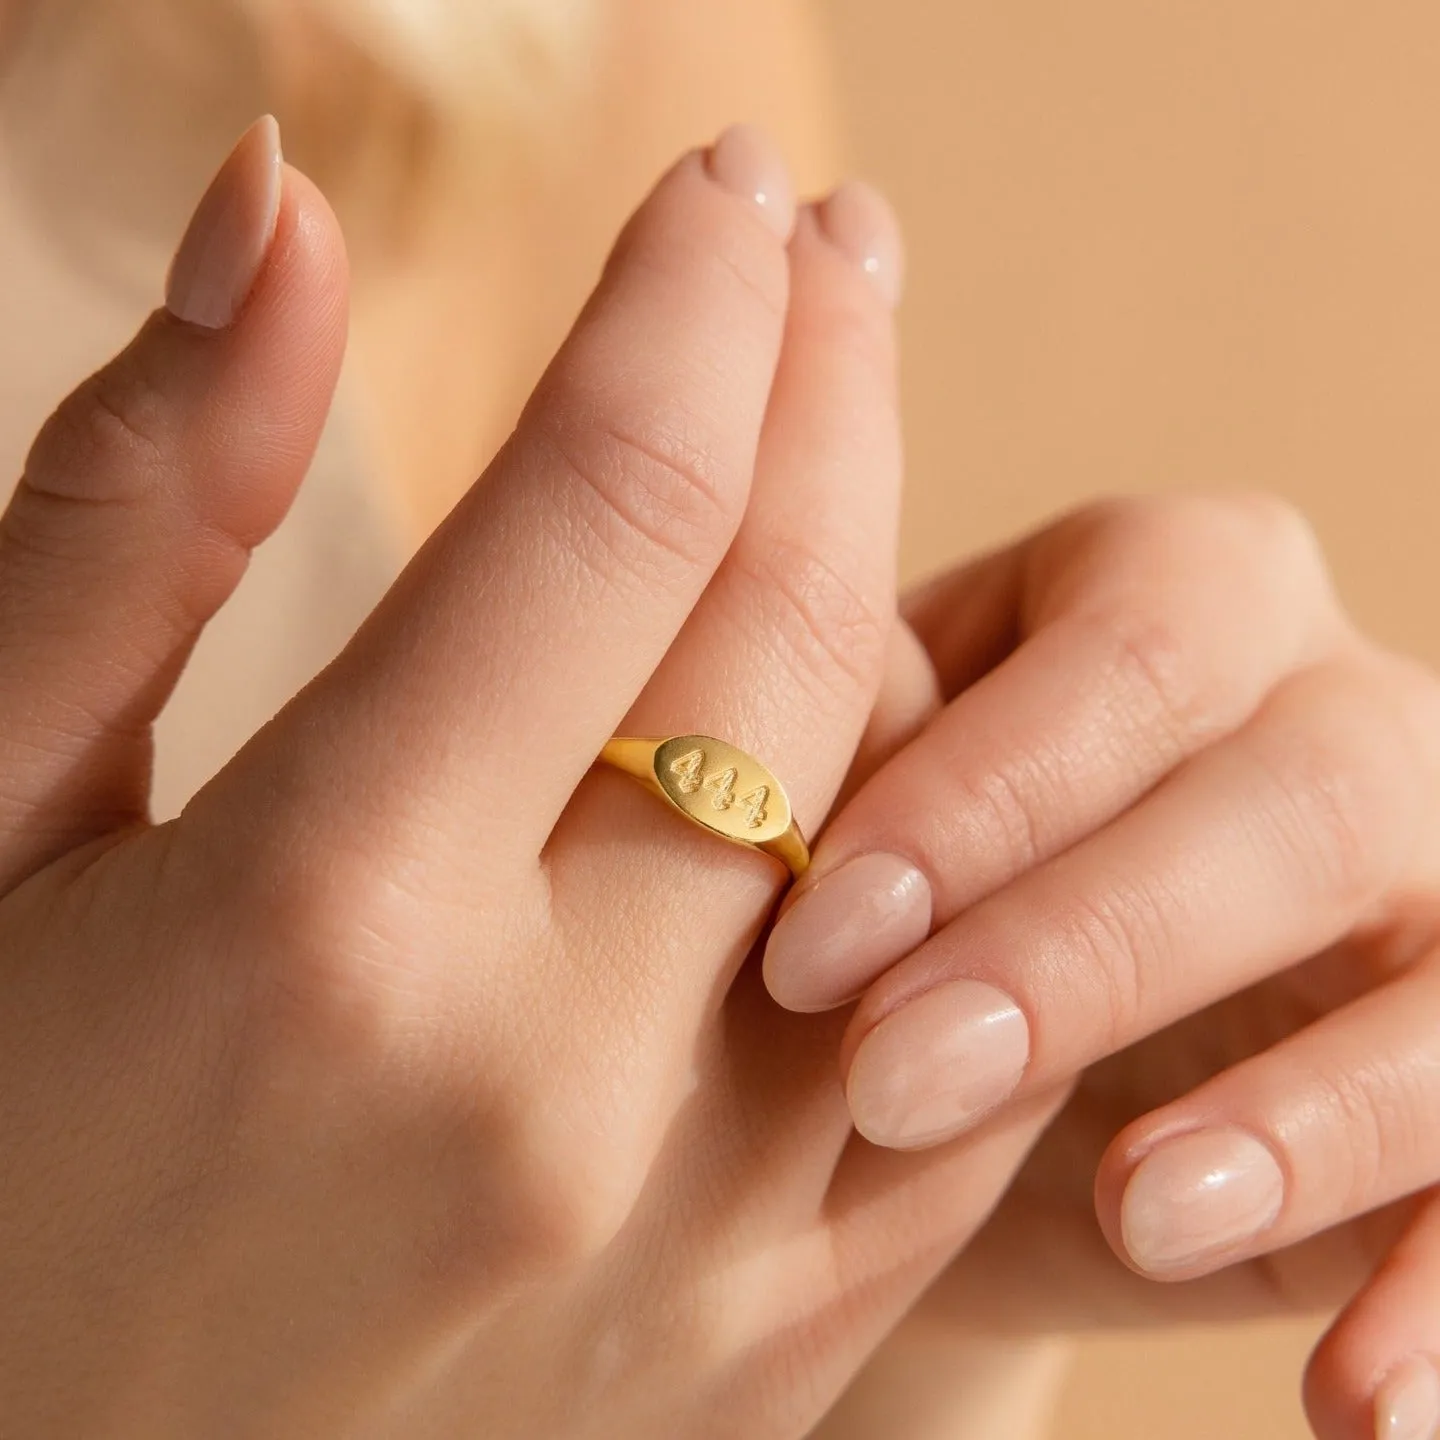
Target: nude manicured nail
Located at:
point(934, 1067)
point(846, 929)
point(230, 235)
point(746, 161)
point(860, 222)
point(1199, 1198)
point(1407, 1406)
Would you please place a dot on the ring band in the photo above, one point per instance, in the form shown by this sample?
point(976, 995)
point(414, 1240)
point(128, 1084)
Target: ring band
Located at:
point(722, 789)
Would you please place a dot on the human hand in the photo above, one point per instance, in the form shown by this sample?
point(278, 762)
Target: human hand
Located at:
point(1175, 803)
point(413, 1079)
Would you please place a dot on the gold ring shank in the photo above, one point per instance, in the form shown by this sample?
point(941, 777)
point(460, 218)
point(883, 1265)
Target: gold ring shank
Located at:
point(720, 788)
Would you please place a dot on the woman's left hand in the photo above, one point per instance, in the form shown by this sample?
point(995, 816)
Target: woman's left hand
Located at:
point(1169, 772)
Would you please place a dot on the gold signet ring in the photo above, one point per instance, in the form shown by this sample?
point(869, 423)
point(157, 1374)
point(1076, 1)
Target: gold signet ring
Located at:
point(717, 786)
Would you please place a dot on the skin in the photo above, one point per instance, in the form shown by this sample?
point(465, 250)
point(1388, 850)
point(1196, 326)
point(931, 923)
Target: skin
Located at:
point(1172, 777)
point(450, 1095)
point(778, 81)
point(1389, 1319)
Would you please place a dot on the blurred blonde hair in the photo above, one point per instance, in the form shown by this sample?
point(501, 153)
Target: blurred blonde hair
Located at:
point(114, 111)
point(463, 54)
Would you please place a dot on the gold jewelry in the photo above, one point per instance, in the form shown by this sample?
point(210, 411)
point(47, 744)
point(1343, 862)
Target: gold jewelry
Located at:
point(717, 786)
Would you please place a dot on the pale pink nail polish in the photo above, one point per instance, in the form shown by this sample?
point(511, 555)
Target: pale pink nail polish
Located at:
point(226, 243)
point(1407, 1405)
point(937, 1065)
point(746, 162)
point(859, 221)
point(1198, 1198)
point(845, 930)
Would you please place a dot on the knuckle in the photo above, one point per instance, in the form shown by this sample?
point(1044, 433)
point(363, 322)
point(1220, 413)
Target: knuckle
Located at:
point(1320, 823)
point(1356, 1167)
point(1005, 815)
point(1154, 667)
point(43, 528)
point(352, 997)
point(831, 631)
point(516, 1186)
point(1272, 523)
point(1120, 939)
point(1096, 527)
point(1253, 538)
point(650, 498)
point(1281, 527)
point(1334, 793)
point(342, 973)
point(529, 1192)
point(554, 1136)
point(1413, 691)
point(108, 439)
point(1154, 658)
point(1277, 554)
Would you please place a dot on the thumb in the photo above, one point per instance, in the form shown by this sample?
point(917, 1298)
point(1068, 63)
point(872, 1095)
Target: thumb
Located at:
point(145, 493)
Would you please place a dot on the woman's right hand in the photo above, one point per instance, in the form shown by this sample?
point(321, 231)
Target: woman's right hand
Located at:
point(1178, 803)
point(412, 1081)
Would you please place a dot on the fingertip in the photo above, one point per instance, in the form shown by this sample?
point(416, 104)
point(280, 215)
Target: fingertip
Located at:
point(848, 928)
point(226, 243)
point(308, 231)
point(1407, 1403)
point(260, 390)
point(1376, 1372)
point(939, 1066)
point(1349, 1390)
point(1122, 1158)
point(227, 405)
point(303, 285)
point(747, 162)
point(860, 223)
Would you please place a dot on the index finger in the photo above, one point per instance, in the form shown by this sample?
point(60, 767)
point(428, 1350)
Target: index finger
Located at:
point(519, 636)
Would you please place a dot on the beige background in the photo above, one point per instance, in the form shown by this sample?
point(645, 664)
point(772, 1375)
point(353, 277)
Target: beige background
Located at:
point(1162, 245)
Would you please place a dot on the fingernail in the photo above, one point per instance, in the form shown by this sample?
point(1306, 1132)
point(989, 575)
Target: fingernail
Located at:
point(1199, 1197)
point(845, 930)
point(937, 1065)
point(1407, 1405)
point(861, 224)
point(230, 234)
point(745, 161)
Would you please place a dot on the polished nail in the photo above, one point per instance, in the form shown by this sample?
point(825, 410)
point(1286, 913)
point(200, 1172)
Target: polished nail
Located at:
point(845, 930)
point(859, 222)
point(216, 265)
point(1407, 1406)
point(1199, 1198)
point(746, 161)
point(937, 1065)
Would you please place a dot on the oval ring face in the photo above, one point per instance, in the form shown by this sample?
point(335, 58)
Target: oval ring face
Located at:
point(723, 788)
